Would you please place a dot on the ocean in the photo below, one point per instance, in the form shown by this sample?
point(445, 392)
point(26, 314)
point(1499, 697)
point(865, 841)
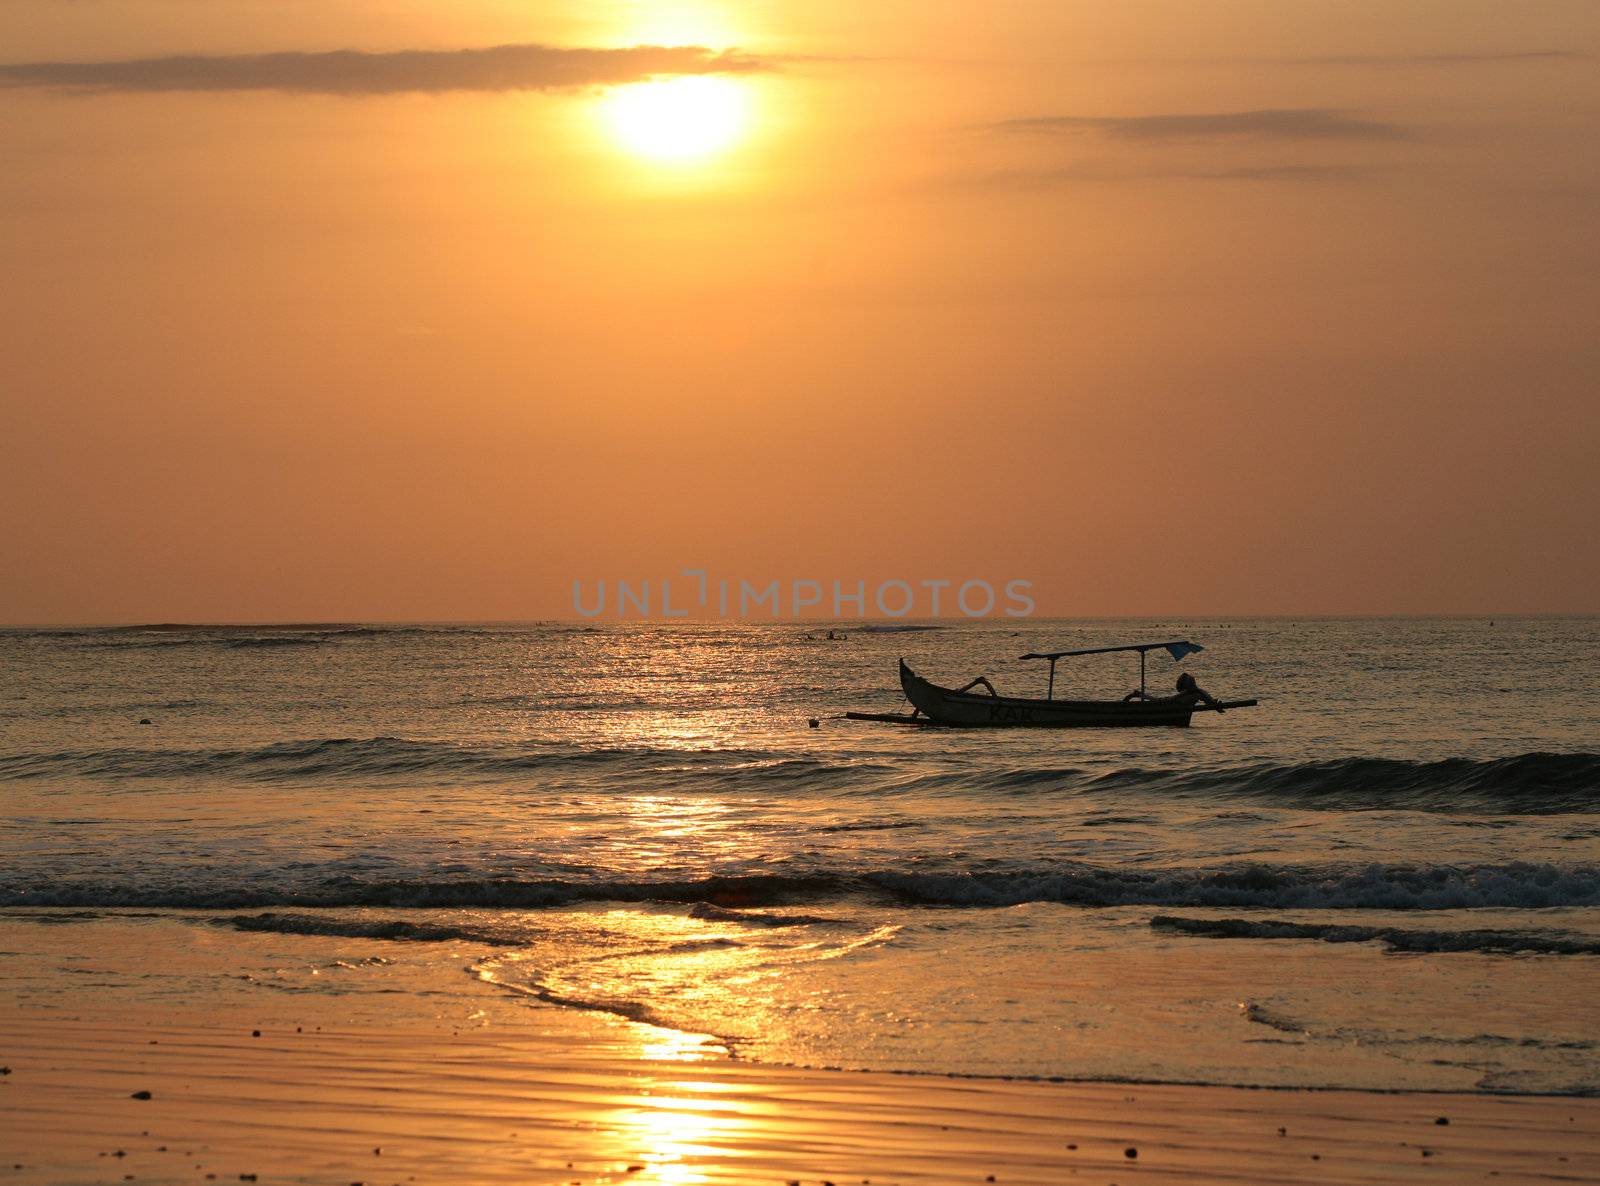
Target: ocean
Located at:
point(1386, 875)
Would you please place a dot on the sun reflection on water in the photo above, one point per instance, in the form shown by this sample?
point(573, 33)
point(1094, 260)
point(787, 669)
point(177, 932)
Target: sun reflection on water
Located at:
point(678, 1130)
point(663, 1045)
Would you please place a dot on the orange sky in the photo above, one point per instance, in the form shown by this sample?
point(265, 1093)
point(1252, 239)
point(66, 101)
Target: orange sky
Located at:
point(1168, 307)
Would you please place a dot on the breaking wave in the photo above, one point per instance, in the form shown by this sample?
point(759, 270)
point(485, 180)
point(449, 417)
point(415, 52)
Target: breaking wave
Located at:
point(351, 758)
point(1523, 784)
point(1372, 887)
point(1283, 887)
point(1486, 942)
point(355, 928)
point(1534, 783)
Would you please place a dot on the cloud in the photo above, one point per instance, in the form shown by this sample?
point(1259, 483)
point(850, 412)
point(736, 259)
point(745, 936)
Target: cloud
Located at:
point(1267, 124)
point(357, 72)
point(1104, 173)
point(1396, 61)
point(1532, 55)
point(1278, 173)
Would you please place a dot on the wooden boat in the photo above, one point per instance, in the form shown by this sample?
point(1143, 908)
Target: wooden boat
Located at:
point(969, 707)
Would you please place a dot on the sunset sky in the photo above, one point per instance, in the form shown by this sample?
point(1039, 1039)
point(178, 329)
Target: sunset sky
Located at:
point(1169, 307)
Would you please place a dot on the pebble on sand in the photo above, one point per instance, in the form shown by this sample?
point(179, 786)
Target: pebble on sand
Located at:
point(1130, 1153)
point(140, 1095)
point(1442, 1120)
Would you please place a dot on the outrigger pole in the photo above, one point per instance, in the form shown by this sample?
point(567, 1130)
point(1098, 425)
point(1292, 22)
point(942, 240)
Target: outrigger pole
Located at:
point(1178, 648)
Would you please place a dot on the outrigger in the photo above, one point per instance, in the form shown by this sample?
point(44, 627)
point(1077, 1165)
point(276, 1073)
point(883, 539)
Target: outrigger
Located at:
point(936, 705)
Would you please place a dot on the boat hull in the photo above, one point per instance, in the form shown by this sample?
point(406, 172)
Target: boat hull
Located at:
point(946, 706)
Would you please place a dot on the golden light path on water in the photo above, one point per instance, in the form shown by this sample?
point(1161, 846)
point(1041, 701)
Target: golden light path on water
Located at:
point(682, 1129)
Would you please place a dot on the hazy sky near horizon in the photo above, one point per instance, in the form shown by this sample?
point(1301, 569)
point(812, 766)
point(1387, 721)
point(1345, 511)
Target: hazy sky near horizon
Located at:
point(385, 309)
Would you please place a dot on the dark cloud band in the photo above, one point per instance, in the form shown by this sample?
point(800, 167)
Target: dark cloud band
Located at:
point(356, 72)
point(1273, 124)
point(1488, 59)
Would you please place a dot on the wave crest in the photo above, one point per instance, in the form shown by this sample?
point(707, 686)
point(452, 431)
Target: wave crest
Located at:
point(1532, 783)
point(1484, 942)
point(335, 758)
point(1523, 784)
point(356, 928)
point(1374, 887)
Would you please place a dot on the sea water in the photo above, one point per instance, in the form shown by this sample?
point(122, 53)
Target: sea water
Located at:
point(1385, 875)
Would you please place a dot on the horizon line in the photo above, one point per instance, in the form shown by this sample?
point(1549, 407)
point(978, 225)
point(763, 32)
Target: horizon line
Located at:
point(330, 623)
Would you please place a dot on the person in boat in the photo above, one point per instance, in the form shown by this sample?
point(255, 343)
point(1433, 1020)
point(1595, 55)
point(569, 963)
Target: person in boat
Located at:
point(1188, 689)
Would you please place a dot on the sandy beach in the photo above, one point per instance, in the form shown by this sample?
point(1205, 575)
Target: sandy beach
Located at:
point(568, 1098)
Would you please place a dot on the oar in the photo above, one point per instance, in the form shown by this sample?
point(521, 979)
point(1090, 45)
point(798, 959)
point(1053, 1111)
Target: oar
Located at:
point(1218, 707)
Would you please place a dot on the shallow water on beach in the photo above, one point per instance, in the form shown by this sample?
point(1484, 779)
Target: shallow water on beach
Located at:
point(1387, 875)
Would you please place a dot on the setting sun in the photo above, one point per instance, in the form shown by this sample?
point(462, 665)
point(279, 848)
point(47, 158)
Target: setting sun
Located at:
point(678, 119)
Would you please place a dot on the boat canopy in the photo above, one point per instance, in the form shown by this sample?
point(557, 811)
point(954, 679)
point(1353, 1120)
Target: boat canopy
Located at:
point(1177, 649)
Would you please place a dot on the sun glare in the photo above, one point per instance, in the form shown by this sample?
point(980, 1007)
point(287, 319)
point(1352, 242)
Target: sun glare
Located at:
point(678, 119)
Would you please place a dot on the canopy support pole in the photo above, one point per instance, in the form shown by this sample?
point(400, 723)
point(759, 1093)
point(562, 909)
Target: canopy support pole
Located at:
point(1050, 694)
point(1141, 675)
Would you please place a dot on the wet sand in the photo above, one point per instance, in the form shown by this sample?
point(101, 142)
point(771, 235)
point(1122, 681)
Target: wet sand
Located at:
point(570, 1098)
